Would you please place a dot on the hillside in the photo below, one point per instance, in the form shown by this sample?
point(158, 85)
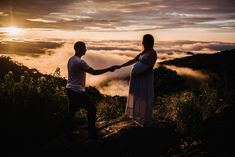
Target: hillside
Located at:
point(220, 65)
point(7, 64)
point(18, 69)
point(220, 62)
point(188, 120)
point(200, 61)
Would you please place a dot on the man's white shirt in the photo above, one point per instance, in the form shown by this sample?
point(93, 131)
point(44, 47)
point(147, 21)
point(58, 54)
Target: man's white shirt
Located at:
point(77, 74)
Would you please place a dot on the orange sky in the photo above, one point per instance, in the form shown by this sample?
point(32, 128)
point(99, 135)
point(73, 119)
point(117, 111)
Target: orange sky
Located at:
point(121, 20)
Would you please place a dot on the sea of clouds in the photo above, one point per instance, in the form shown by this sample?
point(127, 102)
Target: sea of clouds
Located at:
point(46, 56)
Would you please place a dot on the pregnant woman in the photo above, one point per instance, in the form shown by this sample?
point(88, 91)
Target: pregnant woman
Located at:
point(141, 86)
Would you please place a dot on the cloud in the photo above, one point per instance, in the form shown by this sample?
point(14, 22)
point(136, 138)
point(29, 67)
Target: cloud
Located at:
point(28, 48)
point(107, 59)
point(209, 46)
point(115, 87)
point(117, 52)
point(177, 49)
point(122, 15)
point(113, 48)
point(189, 72)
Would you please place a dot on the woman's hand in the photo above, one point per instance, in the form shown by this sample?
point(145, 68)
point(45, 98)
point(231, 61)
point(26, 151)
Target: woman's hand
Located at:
point(114, 67)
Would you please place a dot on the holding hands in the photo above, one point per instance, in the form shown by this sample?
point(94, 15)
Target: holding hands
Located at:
point(114, 67)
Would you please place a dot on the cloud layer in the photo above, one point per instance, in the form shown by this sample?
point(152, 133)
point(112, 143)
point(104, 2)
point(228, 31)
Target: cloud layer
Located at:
point(28, 48)
point(102, 54)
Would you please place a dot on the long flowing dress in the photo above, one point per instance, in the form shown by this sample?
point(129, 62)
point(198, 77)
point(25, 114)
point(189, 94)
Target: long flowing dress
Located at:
point(141, 92)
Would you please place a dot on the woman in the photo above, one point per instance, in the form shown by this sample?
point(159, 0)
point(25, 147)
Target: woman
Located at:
point(141, 87)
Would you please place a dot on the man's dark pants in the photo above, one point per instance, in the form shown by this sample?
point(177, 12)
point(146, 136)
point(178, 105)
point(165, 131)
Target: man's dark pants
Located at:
point(77, 100)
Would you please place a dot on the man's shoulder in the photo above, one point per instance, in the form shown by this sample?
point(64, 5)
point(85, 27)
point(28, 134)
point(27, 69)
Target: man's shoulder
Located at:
point(74, 59)
point(77, 61)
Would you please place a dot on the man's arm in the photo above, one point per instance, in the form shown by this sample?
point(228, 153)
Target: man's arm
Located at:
point(101, 71)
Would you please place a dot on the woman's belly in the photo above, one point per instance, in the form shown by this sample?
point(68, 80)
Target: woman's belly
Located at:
point(139, 68)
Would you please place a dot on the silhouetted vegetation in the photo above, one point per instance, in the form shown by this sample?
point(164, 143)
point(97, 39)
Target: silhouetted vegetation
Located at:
point(204, 112)
point(167, 81)
point(221, 67)
point(33, 105)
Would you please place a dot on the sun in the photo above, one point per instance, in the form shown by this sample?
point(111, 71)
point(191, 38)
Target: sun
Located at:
point(13, 30)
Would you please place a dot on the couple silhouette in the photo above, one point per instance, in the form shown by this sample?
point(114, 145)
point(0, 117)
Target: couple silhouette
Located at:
point(141, 86)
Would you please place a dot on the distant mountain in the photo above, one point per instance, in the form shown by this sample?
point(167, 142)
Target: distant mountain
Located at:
point(18, 69)
point(217, 62)
point(7, 64)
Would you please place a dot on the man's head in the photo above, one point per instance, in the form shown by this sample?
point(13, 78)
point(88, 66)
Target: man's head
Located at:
point(148, 41)
point(80, 48)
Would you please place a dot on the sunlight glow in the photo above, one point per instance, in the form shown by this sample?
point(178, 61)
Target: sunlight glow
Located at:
point(13, 30)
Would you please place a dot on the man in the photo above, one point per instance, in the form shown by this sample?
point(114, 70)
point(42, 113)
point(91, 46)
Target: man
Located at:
point(77, 96)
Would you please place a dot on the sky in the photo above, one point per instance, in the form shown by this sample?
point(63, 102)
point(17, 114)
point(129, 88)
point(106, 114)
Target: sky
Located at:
point(40, 34)
point(124, 19)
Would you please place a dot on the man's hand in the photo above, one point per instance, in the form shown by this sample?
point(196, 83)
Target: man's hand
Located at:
point(114, 67)
point(102, 71)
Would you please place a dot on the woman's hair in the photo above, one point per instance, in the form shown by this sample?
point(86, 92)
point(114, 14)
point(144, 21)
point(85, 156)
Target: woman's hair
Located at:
point(148, 41)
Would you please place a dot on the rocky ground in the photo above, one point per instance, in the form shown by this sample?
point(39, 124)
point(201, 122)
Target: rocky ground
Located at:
point(122, 138)
point(117, 138)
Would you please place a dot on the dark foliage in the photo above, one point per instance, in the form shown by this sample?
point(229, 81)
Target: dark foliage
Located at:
point(167, 81)
point(221, 64)
point(33, 106)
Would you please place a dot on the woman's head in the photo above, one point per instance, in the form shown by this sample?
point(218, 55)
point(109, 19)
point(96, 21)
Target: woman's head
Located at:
point(148, 41)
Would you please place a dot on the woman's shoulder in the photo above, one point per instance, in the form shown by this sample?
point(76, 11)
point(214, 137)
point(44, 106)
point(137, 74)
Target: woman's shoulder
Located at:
point(152, 53)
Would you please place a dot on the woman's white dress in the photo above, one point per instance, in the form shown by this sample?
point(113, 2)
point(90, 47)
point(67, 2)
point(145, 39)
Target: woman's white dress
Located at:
point(141, 92)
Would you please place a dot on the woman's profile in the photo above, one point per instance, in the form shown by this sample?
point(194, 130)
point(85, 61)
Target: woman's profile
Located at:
point(141, 86)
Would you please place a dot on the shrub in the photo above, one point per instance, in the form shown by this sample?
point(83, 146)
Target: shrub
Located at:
point(32, 108)
point(111, 107)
